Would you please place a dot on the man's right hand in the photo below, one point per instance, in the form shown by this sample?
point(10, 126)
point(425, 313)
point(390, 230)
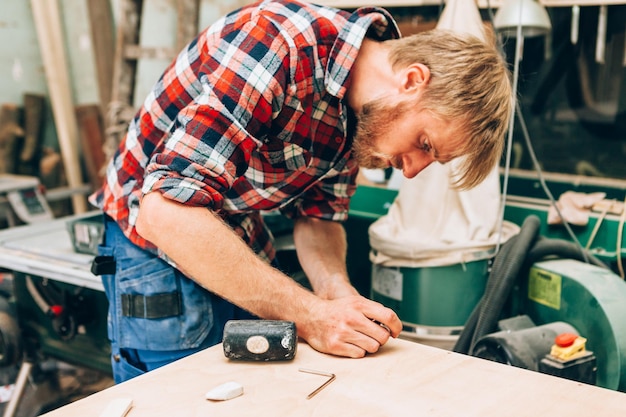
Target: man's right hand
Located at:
point(349, 326)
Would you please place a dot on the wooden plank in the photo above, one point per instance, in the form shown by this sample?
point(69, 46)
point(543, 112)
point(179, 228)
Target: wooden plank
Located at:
point(135, 52)
point(10, 133)
point(403, 379)
point(129, 51)
point(101, 23)
point(127, 34)
point(122, 94)
point(188, 16)
point(91, 133)
point(51, 44)
point(33, 118)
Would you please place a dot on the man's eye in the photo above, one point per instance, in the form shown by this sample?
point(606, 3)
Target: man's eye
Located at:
point(426, 147)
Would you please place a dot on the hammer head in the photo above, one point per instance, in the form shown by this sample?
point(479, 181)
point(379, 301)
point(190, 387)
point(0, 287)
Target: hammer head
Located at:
point(260, 340)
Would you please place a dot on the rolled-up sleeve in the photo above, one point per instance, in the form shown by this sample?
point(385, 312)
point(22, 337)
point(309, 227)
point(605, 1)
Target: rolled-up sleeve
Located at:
point(242, 77)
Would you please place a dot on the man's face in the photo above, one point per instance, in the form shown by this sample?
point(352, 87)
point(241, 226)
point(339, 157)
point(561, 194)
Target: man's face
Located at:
point(401, 136)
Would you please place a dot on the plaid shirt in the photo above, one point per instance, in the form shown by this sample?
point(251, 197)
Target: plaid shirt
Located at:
point(249, 118)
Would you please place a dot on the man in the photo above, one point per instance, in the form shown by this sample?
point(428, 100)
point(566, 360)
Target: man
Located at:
point(273, 108)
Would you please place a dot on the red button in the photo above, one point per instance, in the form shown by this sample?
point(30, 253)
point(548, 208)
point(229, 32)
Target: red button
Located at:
point(56, 309)
point(565, 339)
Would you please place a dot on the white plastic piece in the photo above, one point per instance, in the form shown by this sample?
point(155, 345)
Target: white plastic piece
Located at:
point(6, 392)
point(575, 25)
point(226, 391)
point(117, 407)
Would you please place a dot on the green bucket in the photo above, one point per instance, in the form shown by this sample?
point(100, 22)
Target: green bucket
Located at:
point(438, 296)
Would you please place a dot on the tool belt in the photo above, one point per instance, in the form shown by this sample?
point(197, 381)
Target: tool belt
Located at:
point(155, 306)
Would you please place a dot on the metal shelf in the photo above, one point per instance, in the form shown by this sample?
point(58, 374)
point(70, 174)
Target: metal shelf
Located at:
point(350, 4)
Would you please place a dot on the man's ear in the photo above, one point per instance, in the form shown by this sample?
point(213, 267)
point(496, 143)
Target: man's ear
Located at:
point(415, 77)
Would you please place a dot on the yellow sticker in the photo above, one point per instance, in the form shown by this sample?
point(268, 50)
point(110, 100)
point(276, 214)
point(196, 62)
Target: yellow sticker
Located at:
point(545, 288)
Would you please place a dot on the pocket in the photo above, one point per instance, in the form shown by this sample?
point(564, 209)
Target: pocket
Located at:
point(285, 158)
point(147, 275)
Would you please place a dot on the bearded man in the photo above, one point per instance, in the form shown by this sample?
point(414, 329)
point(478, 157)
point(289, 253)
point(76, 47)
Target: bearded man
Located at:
point(275, 107)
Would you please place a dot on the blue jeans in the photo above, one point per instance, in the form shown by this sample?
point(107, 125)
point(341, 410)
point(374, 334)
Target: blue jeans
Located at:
point(140, 344)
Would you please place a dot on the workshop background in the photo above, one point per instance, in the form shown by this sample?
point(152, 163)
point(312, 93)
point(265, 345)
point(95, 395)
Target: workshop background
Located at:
point(62, 108)
point(82, 81)
point(573, 95)
point(31, 145)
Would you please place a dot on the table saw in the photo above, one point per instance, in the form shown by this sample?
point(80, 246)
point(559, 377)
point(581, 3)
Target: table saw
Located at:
point(48, 272)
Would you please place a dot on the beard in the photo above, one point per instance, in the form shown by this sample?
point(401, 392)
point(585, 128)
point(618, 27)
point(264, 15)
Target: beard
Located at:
point(372, 123)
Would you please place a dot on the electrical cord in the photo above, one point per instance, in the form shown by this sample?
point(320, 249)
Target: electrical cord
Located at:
point(545, 187)
point(620, 231)
point(518, 112)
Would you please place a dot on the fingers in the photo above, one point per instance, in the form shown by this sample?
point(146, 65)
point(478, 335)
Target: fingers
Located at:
point(384, 317)
point(360, 339)
point(354, 326)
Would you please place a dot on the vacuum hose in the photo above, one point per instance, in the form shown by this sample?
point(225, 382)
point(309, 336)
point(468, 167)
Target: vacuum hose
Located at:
point(521, 250)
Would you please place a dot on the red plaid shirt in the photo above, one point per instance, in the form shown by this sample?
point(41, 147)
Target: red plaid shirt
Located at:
point(249, 118)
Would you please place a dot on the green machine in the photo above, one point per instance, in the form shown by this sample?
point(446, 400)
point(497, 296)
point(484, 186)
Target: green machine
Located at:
point(589, 298)
point(551, 293)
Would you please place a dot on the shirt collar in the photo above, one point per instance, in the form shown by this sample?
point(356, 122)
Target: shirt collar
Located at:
point(381, 25)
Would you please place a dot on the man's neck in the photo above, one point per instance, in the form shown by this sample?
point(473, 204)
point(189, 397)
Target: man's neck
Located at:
point(371, 75)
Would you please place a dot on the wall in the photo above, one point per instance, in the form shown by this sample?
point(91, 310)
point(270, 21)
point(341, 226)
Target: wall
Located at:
point(570, 136)
point(21, 66)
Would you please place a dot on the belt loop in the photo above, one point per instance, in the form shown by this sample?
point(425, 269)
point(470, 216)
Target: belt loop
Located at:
point(155, 306)
point(103, 265)
point(128, 309)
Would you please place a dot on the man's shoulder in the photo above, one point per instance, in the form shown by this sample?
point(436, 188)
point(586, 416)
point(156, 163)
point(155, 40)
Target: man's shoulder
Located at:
point(304, 10)
point(292, 18)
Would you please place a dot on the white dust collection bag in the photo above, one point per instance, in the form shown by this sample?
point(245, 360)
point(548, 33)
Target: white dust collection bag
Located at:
point(430, 223)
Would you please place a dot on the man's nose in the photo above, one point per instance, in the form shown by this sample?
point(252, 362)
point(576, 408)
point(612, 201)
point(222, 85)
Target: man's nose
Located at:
point(414, 164)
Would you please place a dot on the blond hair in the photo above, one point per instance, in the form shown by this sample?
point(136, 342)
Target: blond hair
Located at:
point(470, 82)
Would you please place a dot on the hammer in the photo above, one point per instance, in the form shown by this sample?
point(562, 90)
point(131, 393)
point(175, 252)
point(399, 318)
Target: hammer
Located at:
point(260, 340)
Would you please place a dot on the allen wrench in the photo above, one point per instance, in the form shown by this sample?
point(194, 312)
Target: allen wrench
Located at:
point(331, 378)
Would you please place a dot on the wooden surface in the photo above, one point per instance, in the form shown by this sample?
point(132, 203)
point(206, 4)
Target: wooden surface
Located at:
point(50, 35)
point(102, 36)
point(403, 379)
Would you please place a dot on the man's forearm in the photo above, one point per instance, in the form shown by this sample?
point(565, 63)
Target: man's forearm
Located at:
point(321, 247)
point(209, 252)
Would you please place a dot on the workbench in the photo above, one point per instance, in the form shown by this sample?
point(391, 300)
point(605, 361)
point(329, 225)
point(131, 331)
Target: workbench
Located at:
point(402, 379)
